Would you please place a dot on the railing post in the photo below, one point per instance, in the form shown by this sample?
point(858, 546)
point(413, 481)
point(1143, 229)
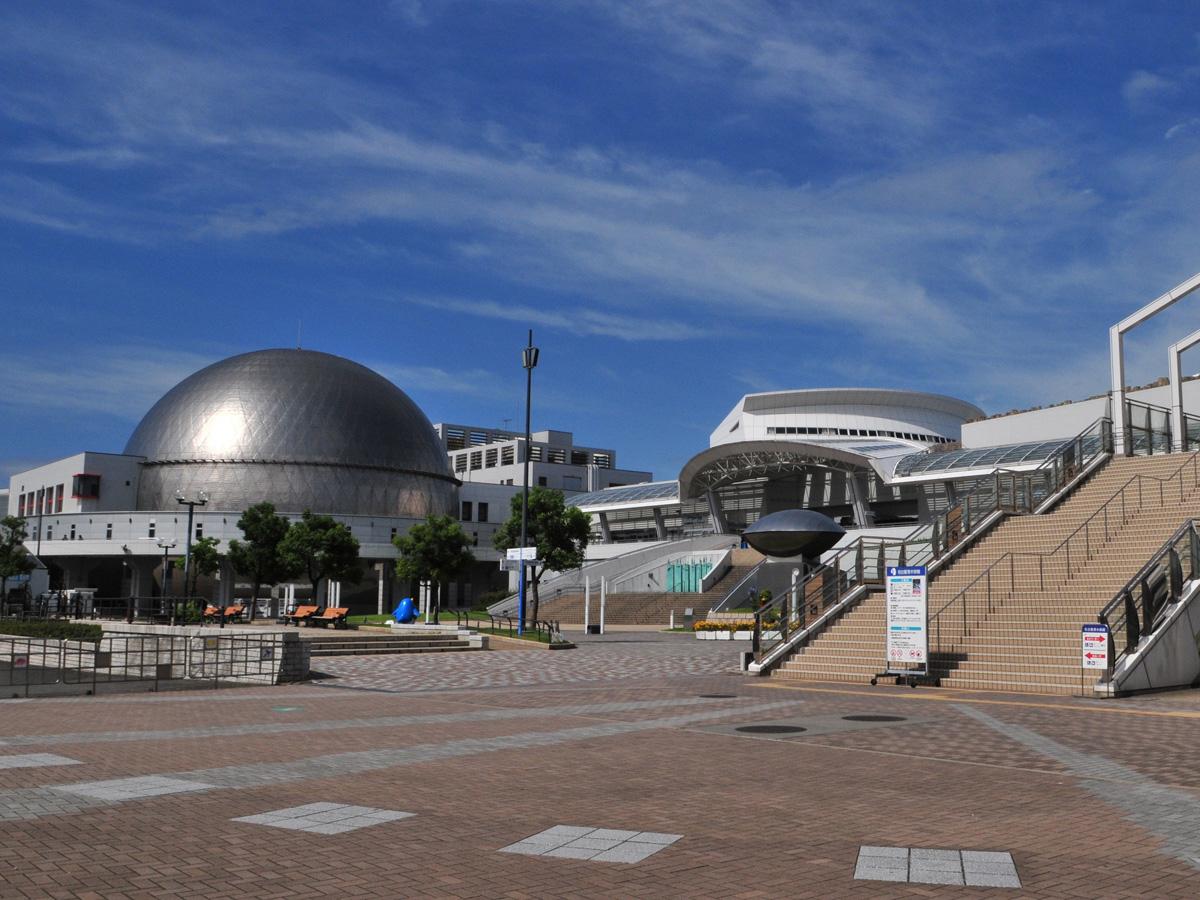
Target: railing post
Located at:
point(858, 563)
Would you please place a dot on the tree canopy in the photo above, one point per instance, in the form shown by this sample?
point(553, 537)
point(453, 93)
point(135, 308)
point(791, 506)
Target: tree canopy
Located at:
point(14, 561)
point(206, 560)
point(559, 532)
point(259, 557)
point(321, 548)
point(436, 550)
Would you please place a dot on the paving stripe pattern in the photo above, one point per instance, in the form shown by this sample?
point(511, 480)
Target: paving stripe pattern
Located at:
point(919, 865)
point(596, 844)
point(1171, 813)
point(35, 760)
point(33, 803)
point(488, 715)
point(325, 818)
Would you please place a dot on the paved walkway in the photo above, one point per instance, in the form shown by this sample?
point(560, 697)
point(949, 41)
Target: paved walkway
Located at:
point(636, 765)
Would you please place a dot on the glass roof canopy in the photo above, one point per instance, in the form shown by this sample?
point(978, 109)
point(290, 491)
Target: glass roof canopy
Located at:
point(984, 457)
point(633, 493)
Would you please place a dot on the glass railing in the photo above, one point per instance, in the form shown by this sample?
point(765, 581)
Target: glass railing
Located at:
point(1147, 429)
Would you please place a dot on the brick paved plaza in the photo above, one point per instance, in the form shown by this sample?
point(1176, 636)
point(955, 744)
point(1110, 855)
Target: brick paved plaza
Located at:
point(618, 769)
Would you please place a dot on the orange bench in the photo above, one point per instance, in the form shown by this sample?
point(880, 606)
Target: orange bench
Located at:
point(334, 615)
point(302, 613)
point(231, 612)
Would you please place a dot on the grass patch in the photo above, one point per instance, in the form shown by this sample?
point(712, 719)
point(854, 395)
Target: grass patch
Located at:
point(54, 631)
point(368, 620)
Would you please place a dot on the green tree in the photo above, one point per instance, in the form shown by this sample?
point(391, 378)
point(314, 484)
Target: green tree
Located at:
point(321, 548)
point(559, 532)
point(206, 560)
point(14, 561)
point(259, 557)
point(436, 550)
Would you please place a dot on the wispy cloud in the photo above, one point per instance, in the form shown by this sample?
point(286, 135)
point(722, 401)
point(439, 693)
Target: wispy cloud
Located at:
point(575, 319)
point(121, 382)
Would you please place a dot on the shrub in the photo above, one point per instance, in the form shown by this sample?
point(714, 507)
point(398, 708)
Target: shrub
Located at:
point(51, 630)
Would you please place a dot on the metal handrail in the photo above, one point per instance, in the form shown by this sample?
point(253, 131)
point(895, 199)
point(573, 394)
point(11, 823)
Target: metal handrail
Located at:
point(1085, 527)
point(1121, 612)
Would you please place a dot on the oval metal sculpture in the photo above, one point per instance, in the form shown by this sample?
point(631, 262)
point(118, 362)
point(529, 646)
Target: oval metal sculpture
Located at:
point(793, 532)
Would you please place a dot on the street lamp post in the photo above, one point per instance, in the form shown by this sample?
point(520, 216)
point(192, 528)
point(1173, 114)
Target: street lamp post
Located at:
point(166, 578)
point(191, 503)
point(529, 361)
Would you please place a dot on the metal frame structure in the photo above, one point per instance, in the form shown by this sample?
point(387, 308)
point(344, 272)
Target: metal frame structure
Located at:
point(1116, 349)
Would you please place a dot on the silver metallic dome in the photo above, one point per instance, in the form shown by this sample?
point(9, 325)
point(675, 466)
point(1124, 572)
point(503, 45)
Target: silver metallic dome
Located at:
point(302, 429)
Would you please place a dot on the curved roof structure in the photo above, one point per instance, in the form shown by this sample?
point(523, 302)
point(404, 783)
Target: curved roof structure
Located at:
point(300, 428)
point(862, 397)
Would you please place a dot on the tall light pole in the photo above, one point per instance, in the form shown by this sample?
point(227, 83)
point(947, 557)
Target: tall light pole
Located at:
point(529, 360)
point(166, 578)
point(191, 503)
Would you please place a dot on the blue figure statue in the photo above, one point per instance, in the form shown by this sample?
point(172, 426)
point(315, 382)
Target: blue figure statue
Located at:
point(405, 612)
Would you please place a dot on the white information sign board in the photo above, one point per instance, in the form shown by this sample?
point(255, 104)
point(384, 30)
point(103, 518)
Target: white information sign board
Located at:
point(526, 553)
point(1095, 647)
point(907, 615)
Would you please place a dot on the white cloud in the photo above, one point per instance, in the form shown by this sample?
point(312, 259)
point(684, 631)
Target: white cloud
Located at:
point(122, 382)
point(577, 320)
point(1142, 87)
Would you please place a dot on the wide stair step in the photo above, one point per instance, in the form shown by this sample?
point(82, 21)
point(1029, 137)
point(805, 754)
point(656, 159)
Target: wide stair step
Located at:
point(1029, 641)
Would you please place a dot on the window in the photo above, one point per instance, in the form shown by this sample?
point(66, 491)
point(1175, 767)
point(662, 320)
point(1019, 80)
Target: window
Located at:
point(21, 506)
point(483, 512)
point(558, 455)
point(49, 532)
point(393, 534)
point(507, 455)
point(456, 439)
point(72, 532)
point(199, 530)
point(85, 487)
point(603, 460)
point(578, 458)
point(460, 463)
point(59, 498)
point(476, 460)
point(478, 438)
point(535, 453)
point(542, 481)
point(150, 528)
point(108, 532)
point(490, 457)
point(466, 511)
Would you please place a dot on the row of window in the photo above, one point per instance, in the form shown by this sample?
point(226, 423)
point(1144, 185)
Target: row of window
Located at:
point(43, 501)
point(506, 456)
point(860, 432)
point(481, 508)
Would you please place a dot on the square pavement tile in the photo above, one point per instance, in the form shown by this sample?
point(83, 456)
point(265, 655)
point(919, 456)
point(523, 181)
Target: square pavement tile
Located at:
point(596, 844)
point(325, 818)
point(917, 865)
point(33, 760)
point(117, 789)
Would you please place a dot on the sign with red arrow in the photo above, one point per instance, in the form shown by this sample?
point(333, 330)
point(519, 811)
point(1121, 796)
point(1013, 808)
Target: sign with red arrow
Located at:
point(1095, 646)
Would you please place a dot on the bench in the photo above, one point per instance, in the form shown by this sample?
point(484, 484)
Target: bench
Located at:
point(334, 615)
point(212, 613)
point(302, 614)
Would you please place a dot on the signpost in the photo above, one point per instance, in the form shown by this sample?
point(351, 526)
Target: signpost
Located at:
point(907, 623)
point(1095, 646)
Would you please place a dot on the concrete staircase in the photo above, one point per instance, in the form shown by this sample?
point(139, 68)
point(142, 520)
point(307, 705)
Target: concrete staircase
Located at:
point(354, 644)
point(1027, 640)
point(643, 608)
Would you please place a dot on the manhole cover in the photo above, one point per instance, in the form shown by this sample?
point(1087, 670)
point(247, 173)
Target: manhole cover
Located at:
point(866, 718)
point(771, 729)
point(718, 696)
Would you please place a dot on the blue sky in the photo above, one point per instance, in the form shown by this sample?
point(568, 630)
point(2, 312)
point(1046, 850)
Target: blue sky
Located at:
point(686, 201)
